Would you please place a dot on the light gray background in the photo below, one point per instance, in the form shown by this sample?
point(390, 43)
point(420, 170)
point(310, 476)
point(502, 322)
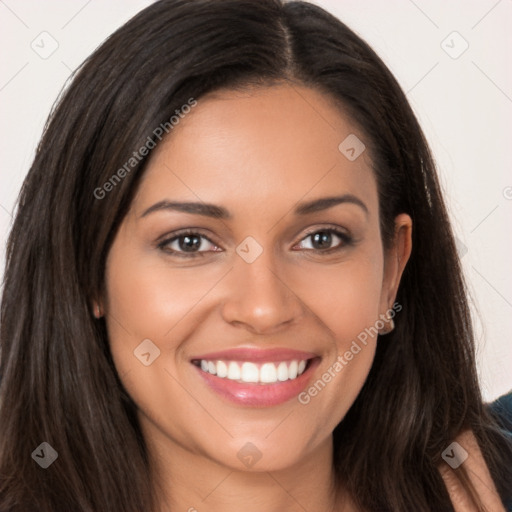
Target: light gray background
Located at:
point(463, 102)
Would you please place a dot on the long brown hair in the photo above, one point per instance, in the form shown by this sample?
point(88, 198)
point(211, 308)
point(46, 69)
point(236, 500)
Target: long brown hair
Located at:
point(58, 382)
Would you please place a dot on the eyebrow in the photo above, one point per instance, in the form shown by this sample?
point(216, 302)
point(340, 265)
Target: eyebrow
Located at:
point(328, 202)
point(219, 212)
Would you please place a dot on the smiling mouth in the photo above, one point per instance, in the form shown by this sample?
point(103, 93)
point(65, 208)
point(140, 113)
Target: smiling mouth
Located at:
point(248, 372)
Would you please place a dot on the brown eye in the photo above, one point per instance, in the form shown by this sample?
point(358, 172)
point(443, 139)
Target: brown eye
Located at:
point(323, 239)
point(188, 244)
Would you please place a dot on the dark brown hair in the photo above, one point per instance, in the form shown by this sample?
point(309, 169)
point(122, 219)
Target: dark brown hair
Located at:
point(58, 381)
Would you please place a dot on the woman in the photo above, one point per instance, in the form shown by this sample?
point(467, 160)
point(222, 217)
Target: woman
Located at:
point(231, 282)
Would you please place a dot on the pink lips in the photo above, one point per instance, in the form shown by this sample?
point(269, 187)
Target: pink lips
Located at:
point(257, 394)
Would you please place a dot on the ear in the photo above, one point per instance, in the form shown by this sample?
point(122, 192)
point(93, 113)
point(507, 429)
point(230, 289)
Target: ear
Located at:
point(395, 259)
point(97, 309)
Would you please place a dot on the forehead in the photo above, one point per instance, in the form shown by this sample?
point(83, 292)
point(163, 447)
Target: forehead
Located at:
point(258, 146)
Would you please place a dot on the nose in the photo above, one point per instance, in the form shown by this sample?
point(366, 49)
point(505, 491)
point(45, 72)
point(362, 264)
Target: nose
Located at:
point(258, 298)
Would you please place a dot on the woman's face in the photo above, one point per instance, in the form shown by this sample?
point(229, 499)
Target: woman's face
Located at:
point(209, 330)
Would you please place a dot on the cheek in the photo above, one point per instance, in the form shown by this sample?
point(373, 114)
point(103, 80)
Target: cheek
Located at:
point(346, 302)
point(146, 301)
point(345, 298)
point(150, 300)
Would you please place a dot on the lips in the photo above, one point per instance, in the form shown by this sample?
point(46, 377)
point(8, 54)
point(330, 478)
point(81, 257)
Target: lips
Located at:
point(256, 377)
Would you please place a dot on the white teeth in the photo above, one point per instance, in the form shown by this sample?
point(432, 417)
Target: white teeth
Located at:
point(282, 372)
point(233, 371)
point(212, 367)
point(250, 372)
point(266, 373)
point(292, 369)
point(222, 369)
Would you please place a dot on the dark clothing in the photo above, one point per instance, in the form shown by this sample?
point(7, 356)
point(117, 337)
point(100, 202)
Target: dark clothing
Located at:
point(501, 409)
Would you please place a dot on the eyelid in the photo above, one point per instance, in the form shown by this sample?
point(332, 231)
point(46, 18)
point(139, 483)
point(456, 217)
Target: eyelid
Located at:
point(343, 234)
point(326, 227)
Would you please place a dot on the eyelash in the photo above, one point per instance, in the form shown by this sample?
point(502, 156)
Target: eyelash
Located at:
point(346, 240)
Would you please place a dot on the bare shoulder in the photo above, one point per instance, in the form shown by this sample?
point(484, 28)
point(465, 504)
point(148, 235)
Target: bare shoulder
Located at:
point(479, 476)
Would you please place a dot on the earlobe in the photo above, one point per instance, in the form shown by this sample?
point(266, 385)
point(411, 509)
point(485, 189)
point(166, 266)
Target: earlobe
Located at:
point(388, 327)
point(97, 310)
